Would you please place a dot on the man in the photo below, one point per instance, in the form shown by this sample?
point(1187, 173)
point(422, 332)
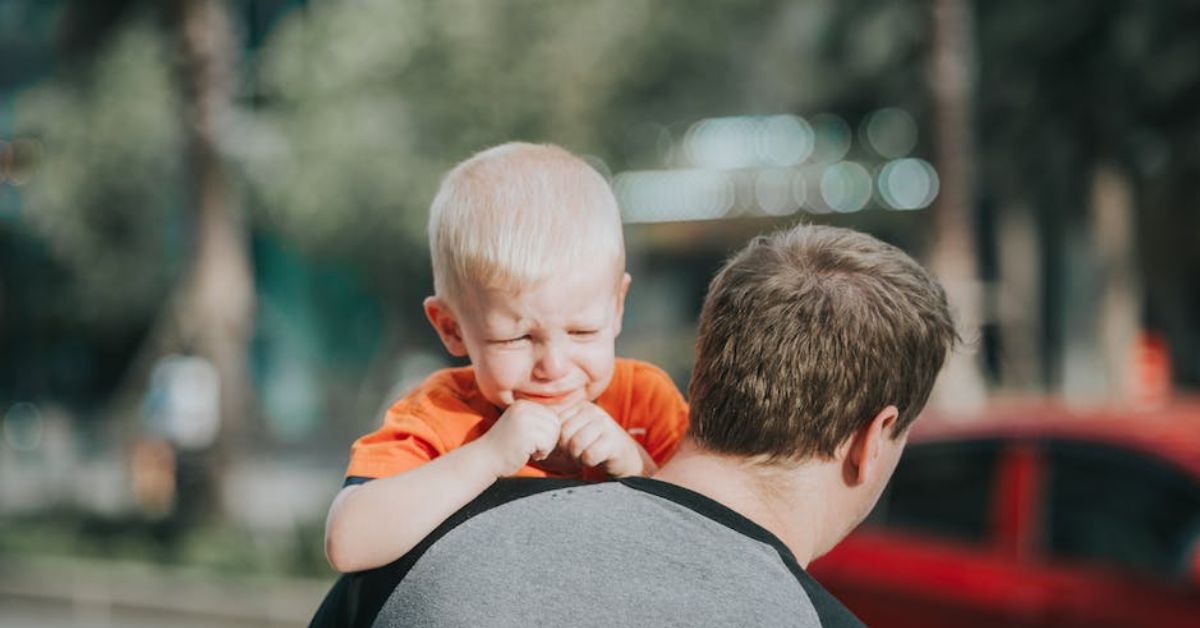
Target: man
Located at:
point(817, 349)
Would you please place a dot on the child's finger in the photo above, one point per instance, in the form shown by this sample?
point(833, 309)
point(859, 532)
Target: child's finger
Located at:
point(568, 413)
point(571, 426)
point(584, 438)
point(541, 451)
point(596, 453)
point(547, 440)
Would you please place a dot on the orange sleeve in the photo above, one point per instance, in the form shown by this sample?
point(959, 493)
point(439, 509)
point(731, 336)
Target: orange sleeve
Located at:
point(657, 404)
point(403, 442)
point(441, 414)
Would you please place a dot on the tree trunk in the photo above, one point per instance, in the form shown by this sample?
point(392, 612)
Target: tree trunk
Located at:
point(215, 309)
point(952, 257)
point(1016, 299)
point(1101, 348)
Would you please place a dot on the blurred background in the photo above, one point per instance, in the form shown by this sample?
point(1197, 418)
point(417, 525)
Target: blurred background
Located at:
point(212, 250)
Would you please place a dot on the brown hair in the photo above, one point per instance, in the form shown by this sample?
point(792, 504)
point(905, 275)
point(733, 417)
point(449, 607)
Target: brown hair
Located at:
point(806, 335)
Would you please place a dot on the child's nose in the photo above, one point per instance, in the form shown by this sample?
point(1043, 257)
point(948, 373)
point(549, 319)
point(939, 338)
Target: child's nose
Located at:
point(551, 363)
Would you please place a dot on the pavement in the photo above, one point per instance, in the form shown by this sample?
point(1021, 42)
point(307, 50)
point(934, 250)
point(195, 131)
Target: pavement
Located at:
point(69, 593)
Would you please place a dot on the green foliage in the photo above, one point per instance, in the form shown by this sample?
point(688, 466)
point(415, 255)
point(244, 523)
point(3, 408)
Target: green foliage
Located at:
point(363, 105)
point(107, 193)
point(369, 102)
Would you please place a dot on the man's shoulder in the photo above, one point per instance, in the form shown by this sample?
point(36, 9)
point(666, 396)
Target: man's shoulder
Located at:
point(649, 550)
point(357, 598)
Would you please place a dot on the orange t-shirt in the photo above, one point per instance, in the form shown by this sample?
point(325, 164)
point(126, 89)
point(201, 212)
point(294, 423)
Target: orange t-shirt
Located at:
point(447, 411)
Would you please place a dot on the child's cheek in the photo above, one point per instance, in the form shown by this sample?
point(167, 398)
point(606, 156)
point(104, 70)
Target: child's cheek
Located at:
point(599, 365)
point(510, 369)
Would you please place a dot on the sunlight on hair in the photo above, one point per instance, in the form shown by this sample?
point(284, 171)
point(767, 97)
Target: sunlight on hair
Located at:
point(511, 214)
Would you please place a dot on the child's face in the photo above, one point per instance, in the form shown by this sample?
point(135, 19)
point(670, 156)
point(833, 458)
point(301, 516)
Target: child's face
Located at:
point(551, 343)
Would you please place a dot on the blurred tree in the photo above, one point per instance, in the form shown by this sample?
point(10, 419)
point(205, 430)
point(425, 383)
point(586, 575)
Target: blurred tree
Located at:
point(954, 254)
point(106, 196)
point(358, 120)
point(358, 107)
point(1081, 104)
point(348, 112)
point(134, 162)
point(213, 311)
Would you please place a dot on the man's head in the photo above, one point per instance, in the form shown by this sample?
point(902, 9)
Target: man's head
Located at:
point(529, 273)
point(809, 339)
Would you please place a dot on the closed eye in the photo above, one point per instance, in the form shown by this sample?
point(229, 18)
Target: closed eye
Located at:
point(510, 341)
point(584, 333)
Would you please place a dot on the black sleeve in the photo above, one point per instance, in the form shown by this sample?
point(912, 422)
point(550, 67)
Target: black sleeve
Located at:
point(356, 598)
point(832, 612)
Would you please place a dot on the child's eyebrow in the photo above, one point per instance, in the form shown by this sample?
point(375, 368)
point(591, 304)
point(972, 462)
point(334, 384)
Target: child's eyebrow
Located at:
point(505, 325)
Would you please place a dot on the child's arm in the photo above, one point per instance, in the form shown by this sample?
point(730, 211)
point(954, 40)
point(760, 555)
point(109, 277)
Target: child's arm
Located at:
point(595, 439)
point(372, 524)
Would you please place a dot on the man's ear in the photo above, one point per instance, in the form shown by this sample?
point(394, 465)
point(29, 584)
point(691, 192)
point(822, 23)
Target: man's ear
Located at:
point(445, 323)
point(622, 290)
point(860, 453)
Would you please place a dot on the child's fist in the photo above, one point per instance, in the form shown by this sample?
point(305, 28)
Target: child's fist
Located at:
point(595, 439)
point(525, 430)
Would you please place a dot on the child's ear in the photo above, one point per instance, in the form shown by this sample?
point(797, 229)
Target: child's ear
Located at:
point(445, 323)
point(622, 290)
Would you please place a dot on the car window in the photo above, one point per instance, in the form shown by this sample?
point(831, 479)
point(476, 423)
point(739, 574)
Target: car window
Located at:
point(941, 489)
point(1121, 508)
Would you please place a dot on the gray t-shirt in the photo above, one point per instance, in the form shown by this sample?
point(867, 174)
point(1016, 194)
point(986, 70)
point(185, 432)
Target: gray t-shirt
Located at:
point(634, 552)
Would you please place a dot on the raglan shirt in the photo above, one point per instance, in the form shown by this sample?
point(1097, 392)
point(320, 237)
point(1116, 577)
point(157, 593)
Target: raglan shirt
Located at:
point(448, 410)
point(630, 552)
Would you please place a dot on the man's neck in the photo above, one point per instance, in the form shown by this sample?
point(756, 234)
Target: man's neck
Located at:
point(789, 502)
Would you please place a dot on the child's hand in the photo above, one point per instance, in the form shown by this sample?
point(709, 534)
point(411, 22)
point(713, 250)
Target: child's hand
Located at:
point(525, 430)
point(596, 440)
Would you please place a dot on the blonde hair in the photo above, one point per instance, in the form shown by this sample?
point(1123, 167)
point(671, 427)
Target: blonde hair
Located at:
point(511, 215)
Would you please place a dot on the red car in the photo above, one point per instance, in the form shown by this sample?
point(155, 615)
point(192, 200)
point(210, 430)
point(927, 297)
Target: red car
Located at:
point(1036, 515)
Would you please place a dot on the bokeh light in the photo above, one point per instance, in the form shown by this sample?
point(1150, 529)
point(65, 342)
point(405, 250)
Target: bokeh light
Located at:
point(673, 195)
point(748, 142)
point(773, 191)
point(890, 132)
point(832, 138)
point(721, 143)
point(800, 188)
point(908, 184)
point(785, 140)
point(846, 187)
